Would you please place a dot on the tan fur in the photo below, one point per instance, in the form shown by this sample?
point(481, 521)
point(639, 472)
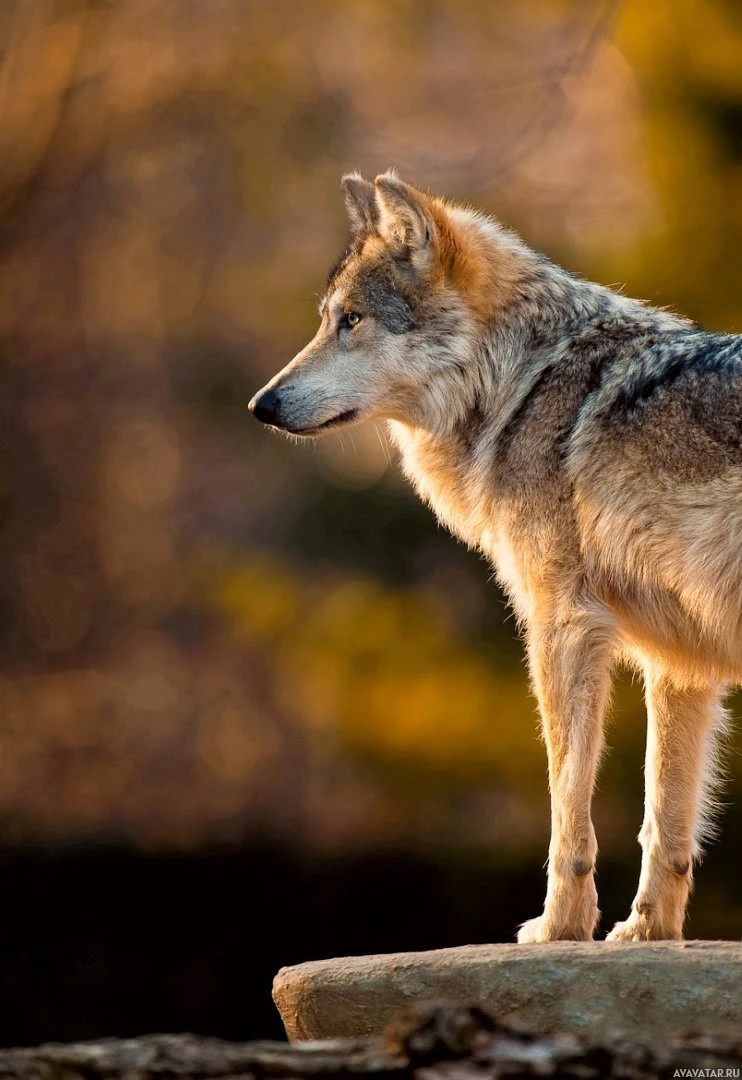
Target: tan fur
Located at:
point(568, 433)
point(485, 279)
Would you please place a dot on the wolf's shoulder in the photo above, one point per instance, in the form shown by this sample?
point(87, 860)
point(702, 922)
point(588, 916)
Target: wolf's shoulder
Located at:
point(677, 362)
point(675, 397)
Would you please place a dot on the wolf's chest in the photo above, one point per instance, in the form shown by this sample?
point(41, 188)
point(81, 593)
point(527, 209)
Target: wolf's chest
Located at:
point(480, 511)
point(448, 483)
point(482, 522)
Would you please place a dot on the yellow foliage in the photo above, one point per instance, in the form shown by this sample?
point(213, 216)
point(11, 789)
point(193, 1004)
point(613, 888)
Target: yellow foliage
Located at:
point(379, 673)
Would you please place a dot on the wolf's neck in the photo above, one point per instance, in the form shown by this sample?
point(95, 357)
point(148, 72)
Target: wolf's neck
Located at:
point(548, 311)
point(490, 367)
point(474, 398)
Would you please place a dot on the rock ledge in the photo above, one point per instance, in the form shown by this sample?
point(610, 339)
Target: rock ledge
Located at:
point(653, 988)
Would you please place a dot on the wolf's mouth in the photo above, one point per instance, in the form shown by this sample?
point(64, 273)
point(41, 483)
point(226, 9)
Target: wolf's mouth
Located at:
point(334, 421)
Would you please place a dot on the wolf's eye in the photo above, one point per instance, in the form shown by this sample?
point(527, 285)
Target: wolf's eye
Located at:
point(350, 319)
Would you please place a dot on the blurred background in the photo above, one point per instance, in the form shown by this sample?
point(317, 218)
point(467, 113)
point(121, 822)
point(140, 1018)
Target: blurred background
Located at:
point(255, 706)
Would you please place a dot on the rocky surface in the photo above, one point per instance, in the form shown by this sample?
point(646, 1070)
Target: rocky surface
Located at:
point(427, 1043)
point(648, 988)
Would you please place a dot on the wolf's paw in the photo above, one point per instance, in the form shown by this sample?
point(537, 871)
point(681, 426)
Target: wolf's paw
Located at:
point(626, 931)
point(544, 929)
point(639, 928)
point(533, 931)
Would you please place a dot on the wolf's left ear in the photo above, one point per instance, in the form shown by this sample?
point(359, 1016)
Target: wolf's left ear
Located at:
point(405, 220)
point(360, 202)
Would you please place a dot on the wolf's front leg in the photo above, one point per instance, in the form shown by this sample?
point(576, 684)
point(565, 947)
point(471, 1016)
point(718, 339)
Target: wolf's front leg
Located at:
point(681, 728)
point(570, 668)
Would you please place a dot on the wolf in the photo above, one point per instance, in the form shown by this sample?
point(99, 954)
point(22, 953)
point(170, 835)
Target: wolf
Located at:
point(590, 446)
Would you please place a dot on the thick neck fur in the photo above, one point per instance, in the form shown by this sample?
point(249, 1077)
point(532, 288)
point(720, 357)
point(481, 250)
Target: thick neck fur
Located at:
point(547, 311)
point(490, 367)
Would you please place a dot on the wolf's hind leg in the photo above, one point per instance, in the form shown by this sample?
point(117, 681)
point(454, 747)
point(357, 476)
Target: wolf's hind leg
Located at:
point(682, 727)
point(570, 667)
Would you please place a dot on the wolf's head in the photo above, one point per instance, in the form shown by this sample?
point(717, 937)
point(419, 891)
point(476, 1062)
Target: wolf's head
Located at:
point(401, 315)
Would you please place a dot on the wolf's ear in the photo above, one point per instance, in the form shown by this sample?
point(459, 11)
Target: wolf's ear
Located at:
point(405, 220)
point(360, 202)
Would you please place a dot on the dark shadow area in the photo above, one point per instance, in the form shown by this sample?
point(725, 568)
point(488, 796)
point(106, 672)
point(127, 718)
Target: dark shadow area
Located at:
point(106, 941)
point(110, 942)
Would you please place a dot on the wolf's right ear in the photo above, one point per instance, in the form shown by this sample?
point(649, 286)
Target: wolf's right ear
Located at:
point(360, 202)
point(405, 218)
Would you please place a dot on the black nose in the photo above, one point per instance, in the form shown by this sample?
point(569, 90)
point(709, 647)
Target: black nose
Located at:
point(264, 407)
